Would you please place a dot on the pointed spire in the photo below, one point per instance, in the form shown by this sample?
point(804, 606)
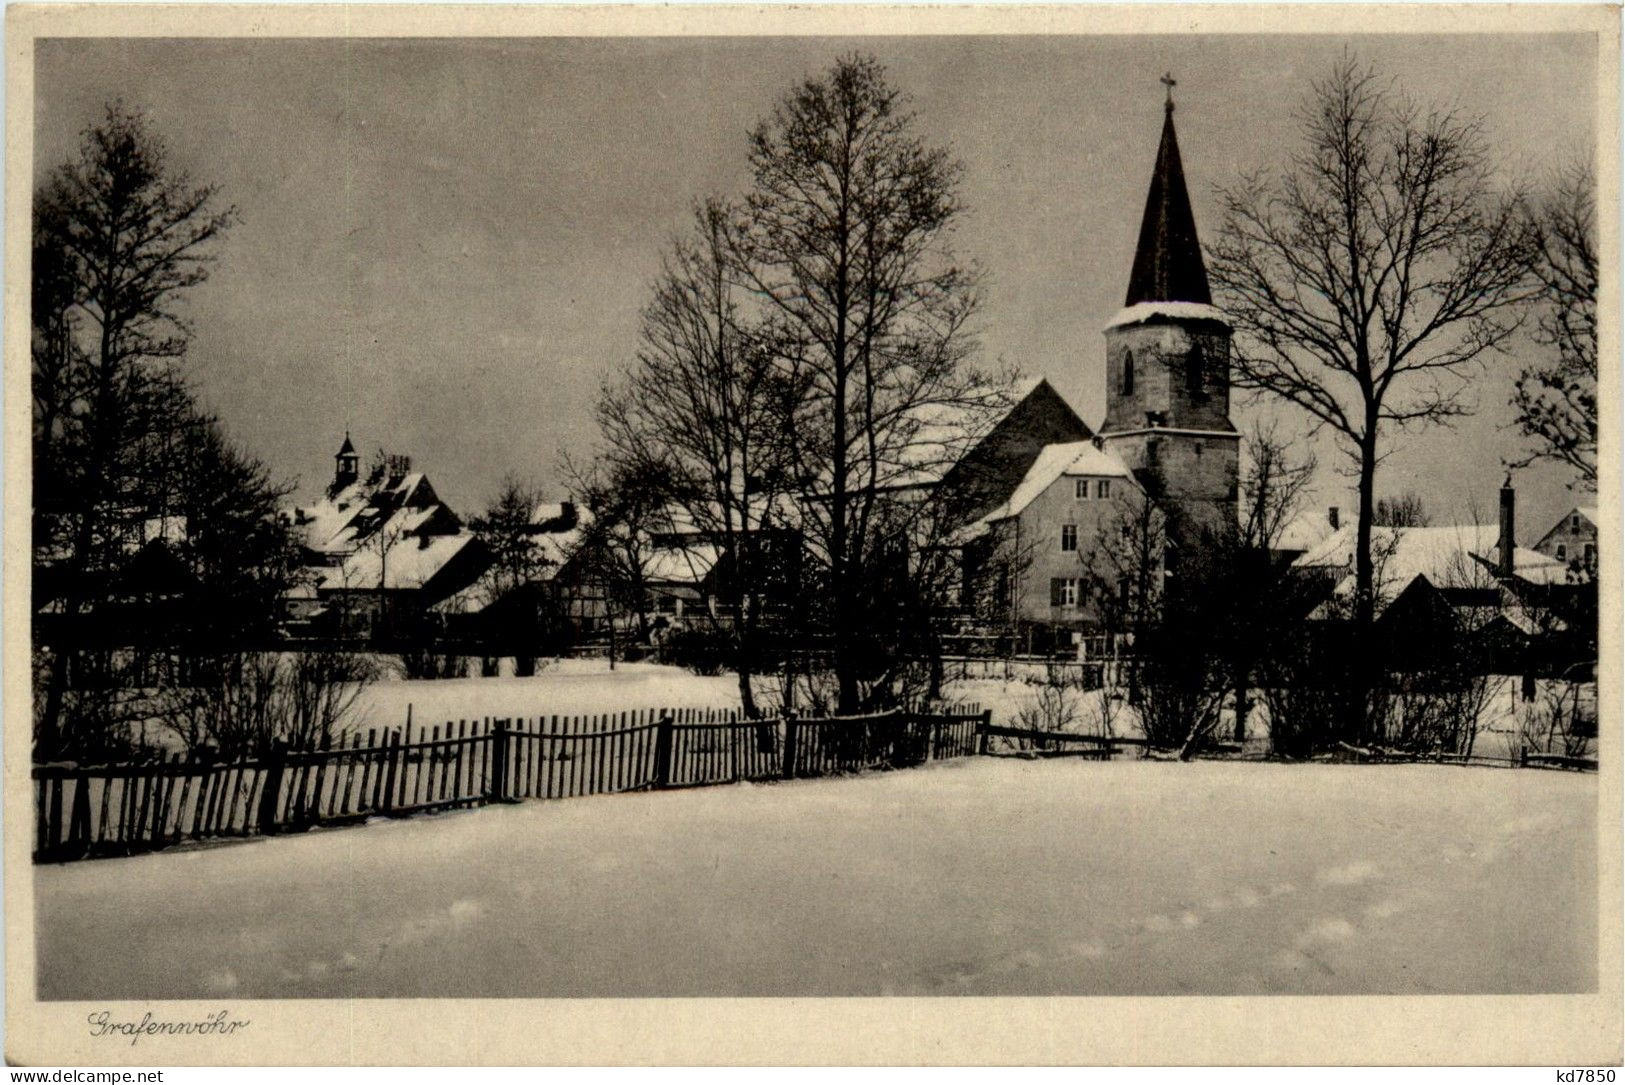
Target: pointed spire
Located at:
point(1168, 264)
point(346, 449)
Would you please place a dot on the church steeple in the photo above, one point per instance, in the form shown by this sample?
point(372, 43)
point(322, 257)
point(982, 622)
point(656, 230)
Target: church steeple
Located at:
point(1168, 263)
point(1168, 367)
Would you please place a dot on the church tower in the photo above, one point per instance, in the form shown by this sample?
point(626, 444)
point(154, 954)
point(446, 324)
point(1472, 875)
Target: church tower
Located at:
point(1168, 365)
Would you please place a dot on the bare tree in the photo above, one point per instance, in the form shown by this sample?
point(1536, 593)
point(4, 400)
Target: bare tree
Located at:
point(1371, 276)
point(709, 401)
point(1259, 586)
point(1124, 572)
point(1556, 402)
point(846, 238)
point(1406, 510)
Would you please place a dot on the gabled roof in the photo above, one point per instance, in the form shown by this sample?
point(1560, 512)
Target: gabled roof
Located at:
point(1449, 557)
point(681, 564)
point(1168, 262)
point(1587, 511)
point(940, 435)
point(402, 504)
point(1304, 532)
point(1074, 459)
point(407, 564)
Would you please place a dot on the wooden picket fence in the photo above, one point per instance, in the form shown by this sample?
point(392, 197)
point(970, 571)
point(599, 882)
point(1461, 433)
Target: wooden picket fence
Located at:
point(92, 810)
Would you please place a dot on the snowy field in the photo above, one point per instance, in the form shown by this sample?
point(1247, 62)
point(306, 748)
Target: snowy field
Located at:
point(975, 877)
point(565, 687)
point(570, 687)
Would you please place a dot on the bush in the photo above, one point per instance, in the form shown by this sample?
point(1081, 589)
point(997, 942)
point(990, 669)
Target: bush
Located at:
point(425, 663)
point(702, 651)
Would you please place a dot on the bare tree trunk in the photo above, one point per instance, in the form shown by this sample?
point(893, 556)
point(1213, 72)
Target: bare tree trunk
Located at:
point(1357, 724)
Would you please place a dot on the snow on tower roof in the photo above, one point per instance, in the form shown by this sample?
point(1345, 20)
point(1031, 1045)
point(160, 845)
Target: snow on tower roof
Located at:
point(1152, 312)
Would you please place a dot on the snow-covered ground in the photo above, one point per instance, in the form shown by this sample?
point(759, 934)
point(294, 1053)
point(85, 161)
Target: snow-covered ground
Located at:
point(1027, 700)
point(982, 876)
point(565, 687)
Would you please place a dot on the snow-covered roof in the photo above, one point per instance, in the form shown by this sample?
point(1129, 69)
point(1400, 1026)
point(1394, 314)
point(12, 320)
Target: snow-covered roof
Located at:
point(408, 563)
point(1071, 459)
point(547, 511)
point(337, 524)
point(1147, 312)
point(553, 550)
point(682, 565)
point(764, 510)
point(1450, 557)
point(941, 434)
point(322, 521)
point(1304, 531)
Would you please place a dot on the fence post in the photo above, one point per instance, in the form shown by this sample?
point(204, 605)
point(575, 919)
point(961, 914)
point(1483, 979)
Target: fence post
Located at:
point(499, 761)
point(79, 820)
point(792, 739)
point(392, 757)
point(271, 791)
point(664, 733)
point(983, 739)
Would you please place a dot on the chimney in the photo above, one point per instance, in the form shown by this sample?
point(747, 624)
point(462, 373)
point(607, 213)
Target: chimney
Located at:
point(1334, 517)
point(1505, 544)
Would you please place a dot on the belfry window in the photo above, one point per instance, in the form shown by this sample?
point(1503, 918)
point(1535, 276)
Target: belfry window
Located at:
point(1128, 373)
point(1195, 378)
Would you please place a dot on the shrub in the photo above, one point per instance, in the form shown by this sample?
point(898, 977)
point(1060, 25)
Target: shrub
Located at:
point(702, 651)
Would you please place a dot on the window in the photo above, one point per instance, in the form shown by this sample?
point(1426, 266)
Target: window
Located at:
point(1128, 373)
point(1574, 525)
point(1590, 555)
point(1063, 591)
point(1082, 489)
point(1069, 537)
point(1103, 489)
point(1195, 378)
point(1562, 552)
point(1198, 448)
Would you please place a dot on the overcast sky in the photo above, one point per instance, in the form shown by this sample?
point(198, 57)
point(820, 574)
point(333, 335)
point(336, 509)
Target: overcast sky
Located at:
point(445, 244)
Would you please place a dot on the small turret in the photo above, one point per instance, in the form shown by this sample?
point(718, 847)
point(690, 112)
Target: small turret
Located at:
point(346, 466)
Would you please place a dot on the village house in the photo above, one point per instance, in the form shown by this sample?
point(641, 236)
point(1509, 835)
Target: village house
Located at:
point(1436, 585)
point(1573, 541)
point(380, 553)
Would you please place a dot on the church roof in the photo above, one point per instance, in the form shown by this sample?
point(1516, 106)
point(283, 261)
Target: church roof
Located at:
point(1168, 263)
point(346, 449)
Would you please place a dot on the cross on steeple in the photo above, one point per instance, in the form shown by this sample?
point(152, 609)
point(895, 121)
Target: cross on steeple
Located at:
point(1170, 82)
